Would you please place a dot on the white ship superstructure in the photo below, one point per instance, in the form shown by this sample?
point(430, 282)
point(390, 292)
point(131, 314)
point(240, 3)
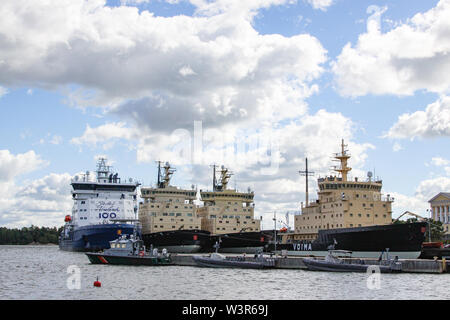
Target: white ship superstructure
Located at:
point(103, 200)
point(104, 207)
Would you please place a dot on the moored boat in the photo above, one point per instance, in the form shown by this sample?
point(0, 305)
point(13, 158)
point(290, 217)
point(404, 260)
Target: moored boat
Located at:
point(334, 263)
point(403, 240)
point(101, 210)
point(169, 218)
point(350, 214)
point(217, 260)
point(130, 250)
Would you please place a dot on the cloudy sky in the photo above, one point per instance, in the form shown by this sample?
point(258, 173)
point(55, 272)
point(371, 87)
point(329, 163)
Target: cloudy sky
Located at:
point(256, 85)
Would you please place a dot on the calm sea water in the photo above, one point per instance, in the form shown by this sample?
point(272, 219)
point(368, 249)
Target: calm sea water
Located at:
point(40, 272)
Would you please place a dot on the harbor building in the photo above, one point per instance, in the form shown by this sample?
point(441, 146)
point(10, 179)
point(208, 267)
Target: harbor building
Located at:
point(440, 210)
point(167, 208)
point(343, 203)
point(227, 210)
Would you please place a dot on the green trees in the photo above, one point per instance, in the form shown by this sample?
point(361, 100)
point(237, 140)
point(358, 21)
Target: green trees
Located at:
point(437, 231)
point(33, 234)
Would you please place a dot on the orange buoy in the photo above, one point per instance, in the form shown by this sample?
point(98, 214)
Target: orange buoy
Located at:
point(97, 283)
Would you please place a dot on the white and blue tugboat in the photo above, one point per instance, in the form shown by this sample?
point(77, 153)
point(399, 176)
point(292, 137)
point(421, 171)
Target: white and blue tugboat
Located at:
point(101, 211)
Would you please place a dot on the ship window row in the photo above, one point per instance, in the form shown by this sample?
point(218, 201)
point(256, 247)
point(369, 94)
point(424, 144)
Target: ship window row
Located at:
point(348, 185)
point(172, 214)
point(227, 221)
point(231, 217)
point(213, 195)
point(161, 219)
point(324, 216)
point(251, 229)
point(368, 215)
point(173, 227)
point(189, 194)
point(320, 227)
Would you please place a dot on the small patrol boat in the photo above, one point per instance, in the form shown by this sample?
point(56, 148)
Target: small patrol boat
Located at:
point(217, 260)
point(130, 250)
point(335, 262)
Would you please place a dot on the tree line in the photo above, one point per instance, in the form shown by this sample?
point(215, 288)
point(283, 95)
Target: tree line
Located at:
point(28, 235)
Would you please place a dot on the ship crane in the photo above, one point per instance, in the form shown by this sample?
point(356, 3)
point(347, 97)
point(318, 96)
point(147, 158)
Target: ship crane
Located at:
point(411, 214)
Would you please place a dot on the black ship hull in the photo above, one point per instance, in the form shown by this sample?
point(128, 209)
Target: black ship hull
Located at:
point(179, 241)
point(402, 240)
point(243, 242)
point(430, 253)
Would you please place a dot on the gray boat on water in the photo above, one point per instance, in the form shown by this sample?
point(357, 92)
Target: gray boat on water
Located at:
point(217, 260)
point(338, 261)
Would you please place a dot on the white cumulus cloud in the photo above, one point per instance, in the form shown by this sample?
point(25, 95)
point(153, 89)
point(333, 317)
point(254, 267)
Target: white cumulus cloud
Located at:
point(412, 56)
point(320, 4)
point(12, 165)
point(433, 122)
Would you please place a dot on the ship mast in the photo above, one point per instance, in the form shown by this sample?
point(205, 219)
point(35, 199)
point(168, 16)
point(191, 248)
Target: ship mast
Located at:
point(214, 177)
point(343, 158)
point(167, 174)
point(224, 177)
point(306, 173)
point(159, 174)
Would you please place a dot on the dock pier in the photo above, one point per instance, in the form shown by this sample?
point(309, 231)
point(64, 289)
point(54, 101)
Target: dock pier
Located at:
point(290, 262)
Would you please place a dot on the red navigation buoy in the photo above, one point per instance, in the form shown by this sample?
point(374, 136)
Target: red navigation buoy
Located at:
point(97, 283)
